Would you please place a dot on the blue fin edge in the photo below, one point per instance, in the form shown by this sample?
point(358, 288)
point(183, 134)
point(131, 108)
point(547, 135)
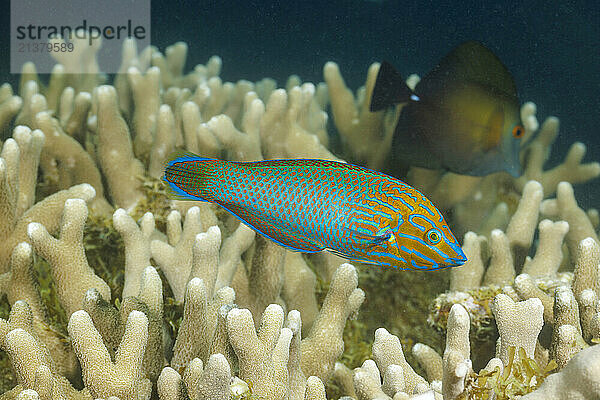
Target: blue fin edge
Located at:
point(182, 156)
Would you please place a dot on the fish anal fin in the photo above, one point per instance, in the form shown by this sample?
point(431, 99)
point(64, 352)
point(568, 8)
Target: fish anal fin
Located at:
point(390, 88)
point(270, 229)
point(350, 257)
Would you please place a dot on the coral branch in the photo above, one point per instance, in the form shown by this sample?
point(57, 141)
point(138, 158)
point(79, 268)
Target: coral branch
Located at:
point(71, 272)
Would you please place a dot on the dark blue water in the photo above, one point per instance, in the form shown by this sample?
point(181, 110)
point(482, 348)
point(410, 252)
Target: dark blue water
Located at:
point(551, 49)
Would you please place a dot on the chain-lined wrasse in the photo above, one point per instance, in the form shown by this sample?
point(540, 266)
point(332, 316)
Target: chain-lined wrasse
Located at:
point(463, 116)
point(316, 205)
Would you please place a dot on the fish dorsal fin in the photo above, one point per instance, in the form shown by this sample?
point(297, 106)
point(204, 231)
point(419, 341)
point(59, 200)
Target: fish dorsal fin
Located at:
point(469, 62)
point(183, 155)
point(276, 232)
point(389, 88)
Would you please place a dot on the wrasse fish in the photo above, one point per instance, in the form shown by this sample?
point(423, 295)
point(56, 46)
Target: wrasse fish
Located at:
point(463, 116)
point(316, 205)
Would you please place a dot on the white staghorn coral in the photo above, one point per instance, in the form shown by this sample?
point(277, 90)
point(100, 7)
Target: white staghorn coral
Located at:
point(263, 355)
point(66, 255)
point(262, 284)
point(35, 369)
point(16, 215)
point(115, 153)
point(456, 361)
point(324, 343)
point(9, 107)
point(471, 273)
point(366, 138)
point(387, 351)
point(123, 377)
point(298, 288)
point(65, 162)
point(515, 331)
point(145, 89)
point(150, 301)
point(137, 247)
point(175, 258)
point(73, 112)
point(198, 327)
point(20, 286)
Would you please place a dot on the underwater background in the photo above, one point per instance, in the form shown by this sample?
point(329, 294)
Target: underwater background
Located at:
point(550, 49)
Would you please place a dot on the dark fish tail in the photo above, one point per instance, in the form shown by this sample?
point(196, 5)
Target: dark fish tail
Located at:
point(188, 176)
point(389, 88)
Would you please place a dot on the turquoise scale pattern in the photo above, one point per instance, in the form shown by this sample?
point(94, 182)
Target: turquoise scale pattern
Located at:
point(320, 202)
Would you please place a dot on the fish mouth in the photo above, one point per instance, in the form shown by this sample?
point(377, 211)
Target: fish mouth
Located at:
point(457, 261)
point(426, 265)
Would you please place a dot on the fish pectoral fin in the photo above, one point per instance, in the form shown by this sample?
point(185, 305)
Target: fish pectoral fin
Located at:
point(274, 230)
point(367, 240)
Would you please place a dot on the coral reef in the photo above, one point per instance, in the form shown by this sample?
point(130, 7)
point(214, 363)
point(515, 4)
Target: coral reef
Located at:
point(110, 290)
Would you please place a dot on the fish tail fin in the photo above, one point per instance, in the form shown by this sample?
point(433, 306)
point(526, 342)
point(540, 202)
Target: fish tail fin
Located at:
point(390, 89)
point(186, 176)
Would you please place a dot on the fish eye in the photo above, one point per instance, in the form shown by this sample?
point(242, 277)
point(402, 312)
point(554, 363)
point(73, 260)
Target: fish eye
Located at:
point(518, 132)
point(434, 236)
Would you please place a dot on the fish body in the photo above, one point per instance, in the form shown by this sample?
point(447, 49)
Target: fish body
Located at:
point(317, 205)
point(463, 116)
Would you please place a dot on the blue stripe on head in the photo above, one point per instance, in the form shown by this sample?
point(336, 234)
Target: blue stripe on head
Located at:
point(431, 261)
point(417, 266)
point(385, 254)
point(414, 223)
point(419, 226)
point(453, 245)
point(416, 239)
point(424, 207)
point(451, 242)
point(460, 258)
